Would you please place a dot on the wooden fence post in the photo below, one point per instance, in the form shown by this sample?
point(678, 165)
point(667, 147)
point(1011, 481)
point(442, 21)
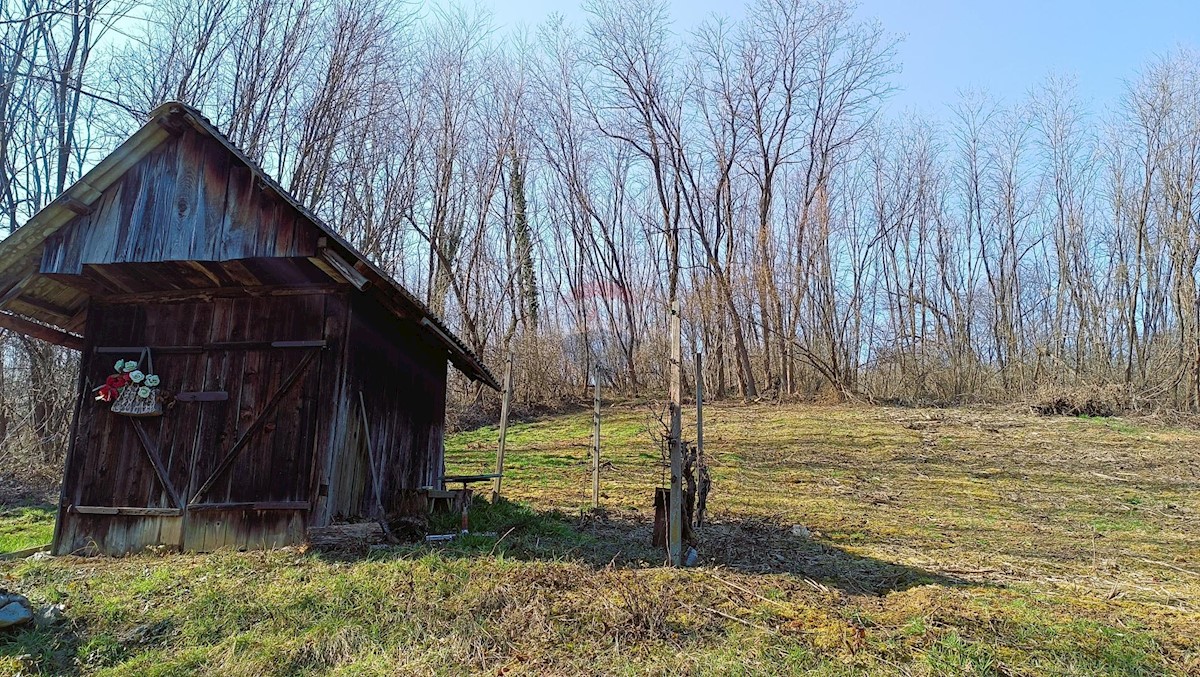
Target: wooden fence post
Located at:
point(596, 444)
point(503, 426)
point(675, 523)
point(701, 466)
point(699, 408)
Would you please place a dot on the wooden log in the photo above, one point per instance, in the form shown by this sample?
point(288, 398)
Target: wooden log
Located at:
point(345, 536)
point(121, 350)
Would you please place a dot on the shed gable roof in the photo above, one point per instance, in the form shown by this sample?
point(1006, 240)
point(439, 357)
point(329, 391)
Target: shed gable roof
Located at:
point(46, 306)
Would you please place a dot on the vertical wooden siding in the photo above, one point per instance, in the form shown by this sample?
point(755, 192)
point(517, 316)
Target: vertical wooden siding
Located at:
point(187, 201)
point(403, 380)
point(108, 464)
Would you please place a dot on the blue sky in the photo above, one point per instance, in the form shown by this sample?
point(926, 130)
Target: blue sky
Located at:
point(1003, 46)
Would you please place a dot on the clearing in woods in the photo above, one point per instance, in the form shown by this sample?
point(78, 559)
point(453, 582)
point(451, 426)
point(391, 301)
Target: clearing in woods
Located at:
point(943, 542)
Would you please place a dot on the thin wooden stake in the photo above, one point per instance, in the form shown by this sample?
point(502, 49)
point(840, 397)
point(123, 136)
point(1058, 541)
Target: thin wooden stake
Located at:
point(596, 445)
point(699, 408)
point(376, 480)
point(700, 465)
point(675, 524)
point(504, 398)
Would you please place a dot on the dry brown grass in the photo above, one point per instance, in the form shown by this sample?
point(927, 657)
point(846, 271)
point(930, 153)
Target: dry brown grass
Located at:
point(945, 542)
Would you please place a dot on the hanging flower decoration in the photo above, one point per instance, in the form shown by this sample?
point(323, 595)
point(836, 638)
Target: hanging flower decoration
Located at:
point(127, 373)
point(117, 381)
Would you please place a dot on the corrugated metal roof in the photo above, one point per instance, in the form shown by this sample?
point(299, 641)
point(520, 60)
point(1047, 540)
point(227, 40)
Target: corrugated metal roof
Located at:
point(20, 252)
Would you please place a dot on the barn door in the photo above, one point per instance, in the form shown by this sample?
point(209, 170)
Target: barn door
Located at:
point(230, 463)
point(250, 471)
point(125, 485)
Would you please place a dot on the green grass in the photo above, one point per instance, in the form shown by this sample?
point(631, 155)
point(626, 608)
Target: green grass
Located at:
point(25, 527)
point(960, 542)
point(1114, 424)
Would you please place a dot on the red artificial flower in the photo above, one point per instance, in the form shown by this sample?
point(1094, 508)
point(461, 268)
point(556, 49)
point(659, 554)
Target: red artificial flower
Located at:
point(116, 381)
point(107, 393)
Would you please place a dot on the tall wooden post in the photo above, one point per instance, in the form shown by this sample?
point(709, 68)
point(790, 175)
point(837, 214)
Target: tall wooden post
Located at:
point(675, 526)
point(699, 410)
point(701, 466)
point(596, 444)
point(503, 426)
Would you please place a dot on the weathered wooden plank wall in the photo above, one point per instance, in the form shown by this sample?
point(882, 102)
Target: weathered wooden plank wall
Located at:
point(109, 465)
point(403, 380)
point(350, 482)
point(187, 201)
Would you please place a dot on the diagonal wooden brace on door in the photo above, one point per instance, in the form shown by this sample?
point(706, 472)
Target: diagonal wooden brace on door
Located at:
point(155, 460)
point(257, 423)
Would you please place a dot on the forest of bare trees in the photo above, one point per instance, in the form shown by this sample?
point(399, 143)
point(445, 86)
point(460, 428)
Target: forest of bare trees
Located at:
point(549, 189)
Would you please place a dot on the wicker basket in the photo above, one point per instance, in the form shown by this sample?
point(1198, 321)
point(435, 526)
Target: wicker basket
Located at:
point(130, 403)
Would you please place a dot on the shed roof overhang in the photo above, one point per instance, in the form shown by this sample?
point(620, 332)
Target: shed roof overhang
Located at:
point(53, 310)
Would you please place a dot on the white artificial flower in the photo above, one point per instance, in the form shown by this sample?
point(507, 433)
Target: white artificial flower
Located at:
point(137, 376)
point(143, 392)
point(151, 380)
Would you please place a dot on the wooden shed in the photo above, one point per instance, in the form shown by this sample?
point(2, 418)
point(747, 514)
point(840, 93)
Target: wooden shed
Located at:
point(280, 350)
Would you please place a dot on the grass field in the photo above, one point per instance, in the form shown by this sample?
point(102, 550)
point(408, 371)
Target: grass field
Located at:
point(944, 542)
point(27, 526)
